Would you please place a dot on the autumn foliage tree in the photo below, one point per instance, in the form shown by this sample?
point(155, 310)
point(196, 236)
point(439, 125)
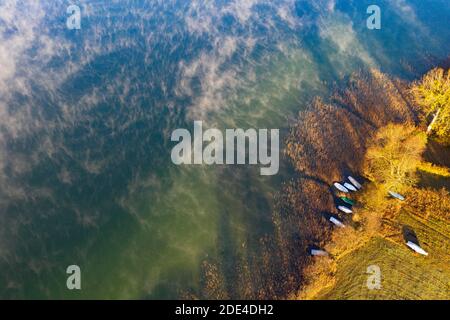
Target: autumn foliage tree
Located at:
point(432, 94)
point(393, 156)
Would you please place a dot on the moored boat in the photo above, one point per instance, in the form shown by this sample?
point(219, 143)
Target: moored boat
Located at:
point(396, 195)
point(340, 187)
point(336, 222)
point(354, 182)
point(347, 200)
point(416, 248)
point(316, 252)
point(350, 187)
point(345, 209)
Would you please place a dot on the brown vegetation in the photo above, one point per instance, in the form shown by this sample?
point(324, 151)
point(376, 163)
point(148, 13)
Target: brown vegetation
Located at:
point(370, 127)
point(329, 139)
point(428, 203)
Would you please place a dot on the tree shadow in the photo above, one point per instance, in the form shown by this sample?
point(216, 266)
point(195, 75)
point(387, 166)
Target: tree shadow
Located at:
point(409, 235)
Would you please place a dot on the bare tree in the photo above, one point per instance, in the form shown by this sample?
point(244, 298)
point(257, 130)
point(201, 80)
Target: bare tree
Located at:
point(394, 155)
point(432, 94)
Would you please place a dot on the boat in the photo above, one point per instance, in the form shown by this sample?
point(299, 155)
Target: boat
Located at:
point(337, 222)
point(354, 182)
point(347, 200)
point(315, 252)
point(349, 186)
point(416, 248)
point(396, 195)
point(340, 187)
point(344, 209)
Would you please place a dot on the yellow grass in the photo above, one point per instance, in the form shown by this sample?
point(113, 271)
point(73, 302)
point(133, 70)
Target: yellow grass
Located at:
point(404, 274)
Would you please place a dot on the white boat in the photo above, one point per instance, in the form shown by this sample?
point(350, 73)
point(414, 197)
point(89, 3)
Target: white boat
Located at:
point(340, 187)
point(344, 209)
point(337, 222)
point(315, 252)
point(396, 195)
point(355, 183)
point(350, 187)
point(416, 248)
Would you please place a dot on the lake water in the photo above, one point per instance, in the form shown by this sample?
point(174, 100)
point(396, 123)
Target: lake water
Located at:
point(86, 117)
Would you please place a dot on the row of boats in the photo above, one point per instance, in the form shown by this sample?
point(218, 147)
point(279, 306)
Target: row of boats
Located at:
point(346, 187)
point(352, 185)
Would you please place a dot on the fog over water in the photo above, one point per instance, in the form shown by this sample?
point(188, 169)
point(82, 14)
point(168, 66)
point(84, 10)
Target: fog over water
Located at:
point(86, 116)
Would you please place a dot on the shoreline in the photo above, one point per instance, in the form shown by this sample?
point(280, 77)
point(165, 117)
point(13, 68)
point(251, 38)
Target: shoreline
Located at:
point(332, 165)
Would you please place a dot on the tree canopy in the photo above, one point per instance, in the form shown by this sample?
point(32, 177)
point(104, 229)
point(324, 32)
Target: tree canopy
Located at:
point(394, 154)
